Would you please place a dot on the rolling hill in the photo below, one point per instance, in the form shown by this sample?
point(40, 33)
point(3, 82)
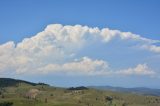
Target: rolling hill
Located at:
point(22, 93)
point(8, 82)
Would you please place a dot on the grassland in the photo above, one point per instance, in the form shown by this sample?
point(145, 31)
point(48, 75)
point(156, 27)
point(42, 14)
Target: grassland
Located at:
point(54, 96)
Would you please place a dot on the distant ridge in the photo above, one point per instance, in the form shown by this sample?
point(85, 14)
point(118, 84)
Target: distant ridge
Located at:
point(137, 90)
point(78, 88)
point(7, 82)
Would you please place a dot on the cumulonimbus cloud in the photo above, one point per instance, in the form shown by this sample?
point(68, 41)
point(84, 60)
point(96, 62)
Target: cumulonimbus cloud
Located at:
point(55, 49)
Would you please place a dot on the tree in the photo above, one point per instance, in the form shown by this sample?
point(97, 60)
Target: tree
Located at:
point(124, 104)
point(2, 96)
point(109, 99)
point(45, 100)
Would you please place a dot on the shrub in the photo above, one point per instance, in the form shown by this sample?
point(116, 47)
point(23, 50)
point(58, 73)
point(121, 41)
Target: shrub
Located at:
point(2, 96)
point(6, 104)
point(124, 104)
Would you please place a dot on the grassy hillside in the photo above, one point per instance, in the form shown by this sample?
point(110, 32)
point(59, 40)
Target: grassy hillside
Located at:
point(26, 94)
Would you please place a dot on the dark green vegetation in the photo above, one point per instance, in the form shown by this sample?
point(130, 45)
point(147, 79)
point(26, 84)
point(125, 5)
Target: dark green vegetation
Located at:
point(6, 82)
point(6, 104)
point(32, 94)
point(78, 88)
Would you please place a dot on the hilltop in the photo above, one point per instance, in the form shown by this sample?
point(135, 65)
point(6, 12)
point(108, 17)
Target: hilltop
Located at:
point(7, 82)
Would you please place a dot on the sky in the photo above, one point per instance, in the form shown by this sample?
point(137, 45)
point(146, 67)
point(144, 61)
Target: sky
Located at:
point(81, 42)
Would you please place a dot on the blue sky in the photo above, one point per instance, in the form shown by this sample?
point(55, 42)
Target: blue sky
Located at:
point(26, 18)
point(121, 56)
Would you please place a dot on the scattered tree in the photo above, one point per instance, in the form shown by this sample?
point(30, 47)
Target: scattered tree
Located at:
point(109, 99)
point(3, 96)
point(51, 94)
point(124, 104)
point(46, 100)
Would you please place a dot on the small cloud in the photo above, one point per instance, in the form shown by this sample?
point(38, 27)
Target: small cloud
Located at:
point(140, 69)
point(152, 48)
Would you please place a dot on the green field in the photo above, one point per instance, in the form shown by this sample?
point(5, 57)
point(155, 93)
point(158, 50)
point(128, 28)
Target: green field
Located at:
point(54, 96)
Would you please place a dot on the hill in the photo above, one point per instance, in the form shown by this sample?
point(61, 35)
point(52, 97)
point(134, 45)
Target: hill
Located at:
point(7, 82)
point(28, 94)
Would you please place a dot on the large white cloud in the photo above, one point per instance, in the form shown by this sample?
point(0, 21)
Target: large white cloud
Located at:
point(55, 49)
